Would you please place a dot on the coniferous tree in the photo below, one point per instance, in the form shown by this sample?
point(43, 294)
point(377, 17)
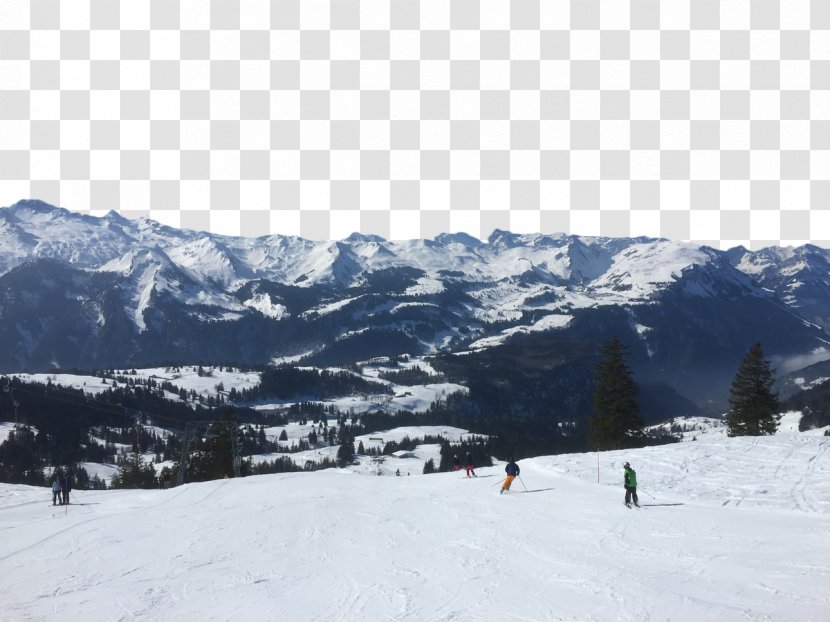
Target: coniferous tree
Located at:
point(429, 467)
point(617, 423)
point(345, 453)
point(19, 461)
point(214, 455)
point(753, 405)
point(134, 473)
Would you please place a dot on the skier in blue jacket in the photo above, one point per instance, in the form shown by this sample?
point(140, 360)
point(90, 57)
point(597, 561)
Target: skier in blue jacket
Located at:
point(512, 469)
point(56, 492)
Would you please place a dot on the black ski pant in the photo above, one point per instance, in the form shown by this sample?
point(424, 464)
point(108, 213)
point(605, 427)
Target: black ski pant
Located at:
point(631, 491)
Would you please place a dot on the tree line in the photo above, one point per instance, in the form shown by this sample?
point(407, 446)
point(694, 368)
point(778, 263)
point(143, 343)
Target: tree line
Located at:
point(65, 427)
point(286, 382)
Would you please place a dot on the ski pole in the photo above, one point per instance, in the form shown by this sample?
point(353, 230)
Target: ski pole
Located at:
point(522, 481)
point(652, 496)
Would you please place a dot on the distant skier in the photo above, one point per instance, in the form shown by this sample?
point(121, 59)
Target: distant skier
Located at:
point(56, 492)
point(456, 463)
point(512, 469)
point(470, 469)
point(630, 485)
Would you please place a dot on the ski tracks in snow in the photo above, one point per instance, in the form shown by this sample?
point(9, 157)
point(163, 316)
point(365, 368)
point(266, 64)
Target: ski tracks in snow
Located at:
point(335, 546)
point(804, 489)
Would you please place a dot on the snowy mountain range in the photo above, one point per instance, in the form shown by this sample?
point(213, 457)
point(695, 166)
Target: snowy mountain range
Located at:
point(87, 292)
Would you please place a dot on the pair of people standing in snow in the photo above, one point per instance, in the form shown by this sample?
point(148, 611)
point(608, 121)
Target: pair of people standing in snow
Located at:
point(61, 488)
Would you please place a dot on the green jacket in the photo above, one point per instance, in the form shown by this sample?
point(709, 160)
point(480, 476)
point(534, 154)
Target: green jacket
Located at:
point(630, 478)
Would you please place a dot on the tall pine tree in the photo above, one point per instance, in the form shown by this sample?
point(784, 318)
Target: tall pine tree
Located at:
point(345, 453)
point(754, 406)
point(617, 423)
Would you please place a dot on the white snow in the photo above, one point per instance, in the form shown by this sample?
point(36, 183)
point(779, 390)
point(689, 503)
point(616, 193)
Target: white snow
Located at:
point(103, 471)
point(548, 322)
point(643, 268)
point(416, 398)
point(214, 381)
point(450, 433)
point(87, 384)
point(208, 259)
point(8, 426)
point(184, 377)
point(263, 303)
point(804, 385)
point(789, 425)
point(424, 286)
point(641, 329)
point(695, 428)
point(290, 359)
point(731, 529)
point(329, 307)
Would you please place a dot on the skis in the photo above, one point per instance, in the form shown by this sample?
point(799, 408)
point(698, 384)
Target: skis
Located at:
point(524, 492)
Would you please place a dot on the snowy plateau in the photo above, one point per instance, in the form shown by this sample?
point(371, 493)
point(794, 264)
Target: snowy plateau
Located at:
point(729, 529)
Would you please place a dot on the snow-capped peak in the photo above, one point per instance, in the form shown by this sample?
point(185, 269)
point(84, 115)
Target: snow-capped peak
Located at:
point(211, 260)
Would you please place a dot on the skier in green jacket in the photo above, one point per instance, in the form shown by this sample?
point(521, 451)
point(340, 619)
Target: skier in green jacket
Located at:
point(630, 485)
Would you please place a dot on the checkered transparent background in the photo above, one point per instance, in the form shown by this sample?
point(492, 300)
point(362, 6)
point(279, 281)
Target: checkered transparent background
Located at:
point(690, 119)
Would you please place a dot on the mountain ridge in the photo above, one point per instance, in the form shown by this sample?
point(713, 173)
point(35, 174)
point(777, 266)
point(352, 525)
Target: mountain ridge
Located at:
point(136, 292)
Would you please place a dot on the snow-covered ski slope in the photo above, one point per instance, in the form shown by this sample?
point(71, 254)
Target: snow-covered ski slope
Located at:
point(739, 530)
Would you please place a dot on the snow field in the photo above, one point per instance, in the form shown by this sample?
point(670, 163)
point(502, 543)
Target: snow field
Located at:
point(412, 398)
point(416, 398)
point(337, 546)
point(365, 463)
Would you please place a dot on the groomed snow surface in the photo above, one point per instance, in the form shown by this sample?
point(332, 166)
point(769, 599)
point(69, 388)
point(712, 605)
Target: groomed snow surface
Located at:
point(730, 529)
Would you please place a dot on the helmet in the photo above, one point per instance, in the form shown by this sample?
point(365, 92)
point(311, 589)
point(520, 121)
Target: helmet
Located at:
point(626, 465)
